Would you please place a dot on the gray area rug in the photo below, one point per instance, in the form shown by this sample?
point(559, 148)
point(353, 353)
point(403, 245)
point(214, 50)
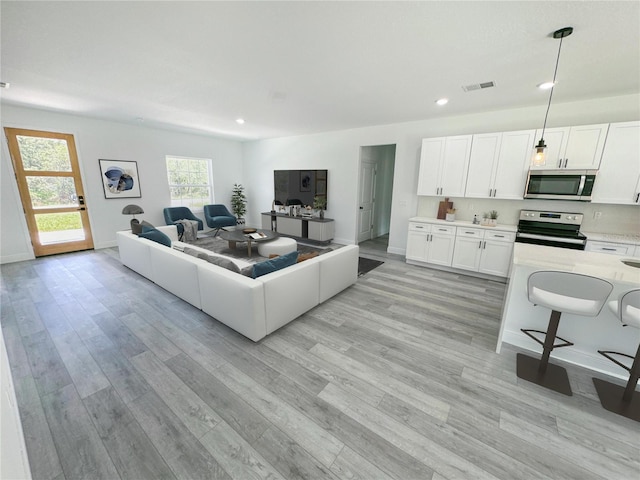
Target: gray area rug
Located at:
point(220, 246)
point(367, 264)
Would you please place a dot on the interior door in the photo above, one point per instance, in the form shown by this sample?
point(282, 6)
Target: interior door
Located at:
point(48, 177)
point(367, 190)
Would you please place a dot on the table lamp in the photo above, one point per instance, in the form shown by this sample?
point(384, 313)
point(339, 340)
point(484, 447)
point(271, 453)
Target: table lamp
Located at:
point(133, 210)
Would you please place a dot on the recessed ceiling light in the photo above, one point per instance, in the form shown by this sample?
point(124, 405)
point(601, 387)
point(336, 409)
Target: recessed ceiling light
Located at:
point(442, 101)
point(546, 85)
point(240, 121)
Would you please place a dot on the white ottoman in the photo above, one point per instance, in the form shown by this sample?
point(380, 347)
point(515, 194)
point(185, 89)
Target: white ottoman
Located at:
point(279, 246)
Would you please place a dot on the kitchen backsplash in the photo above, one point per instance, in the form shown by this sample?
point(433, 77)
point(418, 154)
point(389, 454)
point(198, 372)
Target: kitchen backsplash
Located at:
point(619, 219)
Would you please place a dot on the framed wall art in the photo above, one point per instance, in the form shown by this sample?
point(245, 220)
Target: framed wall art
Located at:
point(120, 178)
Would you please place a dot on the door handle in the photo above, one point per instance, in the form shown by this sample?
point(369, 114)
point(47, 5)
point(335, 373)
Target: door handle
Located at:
point(361, 208)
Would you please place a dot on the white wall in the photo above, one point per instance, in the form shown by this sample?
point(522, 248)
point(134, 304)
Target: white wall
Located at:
point(96, 139)
point(339, 153)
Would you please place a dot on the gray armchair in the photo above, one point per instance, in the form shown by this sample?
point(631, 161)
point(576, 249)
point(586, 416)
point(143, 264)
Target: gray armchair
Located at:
point(217, 216)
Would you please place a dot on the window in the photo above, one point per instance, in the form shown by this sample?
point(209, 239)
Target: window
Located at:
point(190, 182)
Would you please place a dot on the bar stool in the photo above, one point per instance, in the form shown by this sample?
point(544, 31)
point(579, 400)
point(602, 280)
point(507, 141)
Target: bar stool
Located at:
point(617, 399)
point(562, 292)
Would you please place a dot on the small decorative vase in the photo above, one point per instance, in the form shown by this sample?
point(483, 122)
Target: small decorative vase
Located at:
point(450, 217)
point(493, 222)
point(321, 214)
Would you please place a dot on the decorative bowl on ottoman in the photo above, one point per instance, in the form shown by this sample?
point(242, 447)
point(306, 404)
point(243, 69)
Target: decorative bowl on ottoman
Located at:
point(249, 230)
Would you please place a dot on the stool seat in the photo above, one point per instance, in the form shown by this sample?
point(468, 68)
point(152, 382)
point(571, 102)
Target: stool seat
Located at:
point(562, 292)
point(279, 246)
point(615, 398)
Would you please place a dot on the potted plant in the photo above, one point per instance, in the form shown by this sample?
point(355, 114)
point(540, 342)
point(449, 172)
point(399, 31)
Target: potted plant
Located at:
point(239, 202)
point(493, 218)
point(320, 203)
point(485, 219)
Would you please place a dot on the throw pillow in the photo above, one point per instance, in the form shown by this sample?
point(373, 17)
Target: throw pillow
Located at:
point(306, 256)
point(155, 236)
point(247, 271)
point(144, 223)
point(275, 264)
point(221, 262)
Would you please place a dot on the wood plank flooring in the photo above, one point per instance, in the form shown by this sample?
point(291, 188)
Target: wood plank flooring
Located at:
point(394, 378)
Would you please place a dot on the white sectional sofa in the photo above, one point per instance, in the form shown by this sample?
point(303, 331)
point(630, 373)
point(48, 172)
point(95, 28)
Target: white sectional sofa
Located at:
point(253, 307)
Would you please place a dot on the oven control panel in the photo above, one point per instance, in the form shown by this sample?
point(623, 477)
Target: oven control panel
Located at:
point(552, 217)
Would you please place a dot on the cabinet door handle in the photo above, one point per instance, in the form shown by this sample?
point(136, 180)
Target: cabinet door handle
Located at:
point(566, 161)
point(609, 249)
point(442, 229)
point(418, 226)
point(637, 197)
point(471, 233)
point(559, 163)
point(495, 191)
point(479, 244)
point(484, 245)
point(499, 236)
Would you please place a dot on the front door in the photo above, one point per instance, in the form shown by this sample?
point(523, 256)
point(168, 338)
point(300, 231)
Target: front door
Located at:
point(48, 177)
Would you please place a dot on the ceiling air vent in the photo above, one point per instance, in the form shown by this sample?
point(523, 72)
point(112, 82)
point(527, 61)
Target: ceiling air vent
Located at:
point(478, 86)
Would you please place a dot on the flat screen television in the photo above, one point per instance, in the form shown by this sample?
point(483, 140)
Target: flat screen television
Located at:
point(299, 187)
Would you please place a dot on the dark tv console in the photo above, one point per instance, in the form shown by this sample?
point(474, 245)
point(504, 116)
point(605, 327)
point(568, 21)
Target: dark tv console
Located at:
point(312, 228)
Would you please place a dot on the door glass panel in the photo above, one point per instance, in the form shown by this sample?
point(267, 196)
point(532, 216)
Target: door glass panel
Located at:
point(44, 154)
point(59, 227)
point(51, 192)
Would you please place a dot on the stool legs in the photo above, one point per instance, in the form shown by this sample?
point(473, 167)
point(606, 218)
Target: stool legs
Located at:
point(541, 372)
point(617, 399)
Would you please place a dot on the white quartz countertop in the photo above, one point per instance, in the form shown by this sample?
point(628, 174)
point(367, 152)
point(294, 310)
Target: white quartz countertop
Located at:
point(595, 264)
point(466, 224)
point(628, 238)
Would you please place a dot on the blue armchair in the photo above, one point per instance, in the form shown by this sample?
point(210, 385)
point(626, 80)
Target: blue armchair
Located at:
point(173, 214)
point(218, 217)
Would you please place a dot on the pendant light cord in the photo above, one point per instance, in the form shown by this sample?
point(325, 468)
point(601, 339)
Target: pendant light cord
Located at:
point(555, 72)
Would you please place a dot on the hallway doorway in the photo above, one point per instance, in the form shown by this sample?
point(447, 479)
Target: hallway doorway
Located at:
point(375, 192)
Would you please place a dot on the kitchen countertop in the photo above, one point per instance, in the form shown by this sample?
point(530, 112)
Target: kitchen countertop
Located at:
point(629, 238)
point(463, 223)
point(601, 265)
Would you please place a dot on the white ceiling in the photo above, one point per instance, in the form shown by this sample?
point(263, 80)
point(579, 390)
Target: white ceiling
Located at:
point(292, 68)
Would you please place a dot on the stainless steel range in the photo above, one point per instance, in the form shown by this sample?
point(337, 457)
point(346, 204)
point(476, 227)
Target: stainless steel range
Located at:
point(554, 229)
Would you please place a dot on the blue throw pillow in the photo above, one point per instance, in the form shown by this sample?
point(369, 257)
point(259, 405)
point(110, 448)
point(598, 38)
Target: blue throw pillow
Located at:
point(275, 264)
point(155, 235)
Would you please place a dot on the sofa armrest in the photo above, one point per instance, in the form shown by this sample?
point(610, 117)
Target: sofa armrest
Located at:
point(290, 292)
point(338, 270)
point(233, 299)
point(134, 253)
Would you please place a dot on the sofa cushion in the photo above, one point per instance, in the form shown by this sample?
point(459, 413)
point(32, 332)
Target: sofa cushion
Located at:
point(275, 264)
point(155, 235)
point(220, 261)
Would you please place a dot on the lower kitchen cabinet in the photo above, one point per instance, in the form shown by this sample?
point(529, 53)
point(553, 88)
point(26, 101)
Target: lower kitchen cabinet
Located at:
point(471, 249)
point(430, 243)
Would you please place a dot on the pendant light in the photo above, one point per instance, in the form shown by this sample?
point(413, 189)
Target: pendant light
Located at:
point(539, 158)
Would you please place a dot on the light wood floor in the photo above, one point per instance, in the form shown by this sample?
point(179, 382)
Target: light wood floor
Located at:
point(394, 378)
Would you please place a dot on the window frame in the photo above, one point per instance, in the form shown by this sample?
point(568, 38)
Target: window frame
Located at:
point(170, 185)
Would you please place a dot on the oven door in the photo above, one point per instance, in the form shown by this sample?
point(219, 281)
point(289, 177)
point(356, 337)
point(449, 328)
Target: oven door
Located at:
point(560, 184)
point(551, 241)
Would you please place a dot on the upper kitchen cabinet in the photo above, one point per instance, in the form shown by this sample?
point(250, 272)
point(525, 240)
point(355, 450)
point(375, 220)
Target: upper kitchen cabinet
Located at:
point(573, 147)
point(498, 164)
point(444, 162)
point(618, 180)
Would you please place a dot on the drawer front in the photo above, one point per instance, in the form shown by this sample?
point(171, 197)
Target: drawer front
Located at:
point(610, 248)
point(443, 230)
point(470, 232)
point(419, 227)
point(500, 236)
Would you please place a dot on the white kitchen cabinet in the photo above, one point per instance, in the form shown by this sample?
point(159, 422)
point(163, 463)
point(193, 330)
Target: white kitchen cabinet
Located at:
point(618, 180)
point(430, 243)
point(611, 248)
point(468, 248)
point(578, 147)
point(498, 165)
point(444, 162)
point(483, 251)
point(496, 253)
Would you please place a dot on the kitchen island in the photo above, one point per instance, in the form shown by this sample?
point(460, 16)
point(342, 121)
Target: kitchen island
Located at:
point(589, 334)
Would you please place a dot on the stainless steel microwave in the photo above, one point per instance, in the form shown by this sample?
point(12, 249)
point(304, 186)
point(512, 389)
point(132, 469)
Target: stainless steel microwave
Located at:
point(560, 184)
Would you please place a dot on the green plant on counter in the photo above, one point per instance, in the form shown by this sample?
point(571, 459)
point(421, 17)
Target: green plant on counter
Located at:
point(493, 215)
